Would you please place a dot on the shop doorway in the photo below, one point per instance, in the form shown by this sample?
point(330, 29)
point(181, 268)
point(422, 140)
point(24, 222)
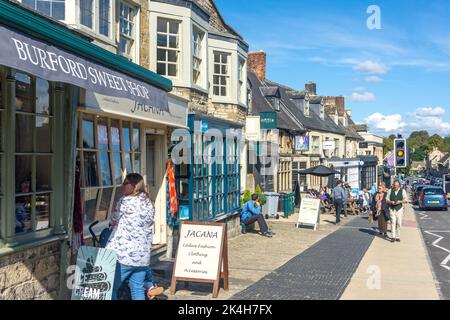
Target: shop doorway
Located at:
point(156, 187)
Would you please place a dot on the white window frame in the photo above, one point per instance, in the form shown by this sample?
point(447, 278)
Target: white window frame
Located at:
point(167, 48)
point(51, 8)
point(197, 55)
point(109, 21)
point(241, 79)
point(96, 20)
point(221, 75)
point(129, 38)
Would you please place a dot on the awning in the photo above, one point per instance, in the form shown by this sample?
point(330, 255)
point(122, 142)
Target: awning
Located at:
point(49, 50)
point(48, 62)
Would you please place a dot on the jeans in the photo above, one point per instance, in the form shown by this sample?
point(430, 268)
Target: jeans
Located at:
point(136, 277)
point(261, 222)
point(148, 282)
point(338, 205)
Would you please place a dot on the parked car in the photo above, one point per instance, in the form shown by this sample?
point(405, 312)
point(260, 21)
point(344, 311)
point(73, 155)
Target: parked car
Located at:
point(417, 191)
point(433, 198)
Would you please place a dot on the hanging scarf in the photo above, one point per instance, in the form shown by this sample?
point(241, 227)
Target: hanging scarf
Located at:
point(77, 239)
point(172, 190)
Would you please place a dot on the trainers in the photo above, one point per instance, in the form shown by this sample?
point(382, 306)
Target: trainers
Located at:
point(154, 291)
point(267, 234)
point(398, 240)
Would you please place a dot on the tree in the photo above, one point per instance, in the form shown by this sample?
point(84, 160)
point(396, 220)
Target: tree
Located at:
point(446, 145)
point(435, 141)
point(388, 145)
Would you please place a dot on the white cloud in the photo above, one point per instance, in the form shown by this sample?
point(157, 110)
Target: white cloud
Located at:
point(359, 89)
point(388, 124)
point(362, 97)
point(371, 67)
point(430, 112)
point(429, 119)
point(373, 79)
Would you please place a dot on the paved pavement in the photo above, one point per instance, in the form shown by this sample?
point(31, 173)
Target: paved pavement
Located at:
point(252, 257)
point(320, 273)
point(435, 228)
point(395, 271)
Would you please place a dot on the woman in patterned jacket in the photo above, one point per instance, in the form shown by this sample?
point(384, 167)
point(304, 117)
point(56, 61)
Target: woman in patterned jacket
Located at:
point(132, 236)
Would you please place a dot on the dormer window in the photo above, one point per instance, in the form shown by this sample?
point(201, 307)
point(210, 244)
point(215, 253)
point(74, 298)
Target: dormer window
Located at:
point(272, 95)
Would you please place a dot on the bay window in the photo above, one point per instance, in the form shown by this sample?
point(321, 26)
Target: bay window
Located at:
point(221, 74)
point(52, 8)
point(168, 47)
point(127, 30)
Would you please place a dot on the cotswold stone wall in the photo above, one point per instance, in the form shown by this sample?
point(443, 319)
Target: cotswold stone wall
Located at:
point(31, 274)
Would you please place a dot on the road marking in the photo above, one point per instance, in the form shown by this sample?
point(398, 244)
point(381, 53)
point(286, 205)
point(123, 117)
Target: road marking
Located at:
point(435, 244)
point(424, 216)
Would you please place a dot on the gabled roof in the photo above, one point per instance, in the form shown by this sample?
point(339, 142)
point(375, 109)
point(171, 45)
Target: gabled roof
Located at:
point(349, 132)
point(285, 120)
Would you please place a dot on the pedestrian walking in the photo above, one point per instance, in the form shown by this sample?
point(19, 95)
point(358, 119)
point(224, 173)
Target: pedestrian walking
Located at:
point(380, 210)
point(339, 195)
point(252, 213)
point(132, 237)
point(396, 199)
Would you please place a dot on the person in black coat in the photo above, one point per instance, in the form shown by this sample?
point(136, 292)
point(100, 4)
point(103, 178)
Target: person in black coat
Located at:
point(380, 210)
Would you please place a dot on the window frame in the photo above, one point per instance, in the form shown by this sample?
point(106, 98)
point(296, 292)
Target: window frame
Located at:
point(59, 98)
point(96, 19)
point(241, 93)
point(35, 7)
point(81, 150)
point(167, 48)
point(221, 75)
point(197, 55)
point(128, 38)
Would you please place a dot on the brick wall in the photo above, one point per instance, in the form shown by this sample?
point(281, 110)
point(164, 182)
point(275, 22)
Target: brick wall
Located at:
point(257, 63)
point(31, 274)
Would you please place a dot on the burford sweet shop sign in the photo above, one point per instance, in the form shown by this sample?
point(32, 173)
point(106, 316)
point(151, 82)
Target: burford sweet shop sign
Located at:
point(202, 255)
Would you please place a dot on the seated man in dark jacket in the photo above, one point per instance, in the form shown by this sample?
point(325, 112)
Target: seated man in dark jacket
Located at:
point(252, 212)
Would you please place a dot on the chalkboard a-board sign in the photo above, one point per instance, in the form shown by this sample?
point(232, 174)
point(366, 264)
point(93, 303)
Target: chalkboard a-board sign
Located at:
point(202, 255)
point(94, 275)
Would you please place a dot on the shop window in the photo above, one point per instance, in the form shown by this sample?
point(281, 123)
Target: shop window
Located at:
point(33, 154)
point(168, 47)
point(110, 149)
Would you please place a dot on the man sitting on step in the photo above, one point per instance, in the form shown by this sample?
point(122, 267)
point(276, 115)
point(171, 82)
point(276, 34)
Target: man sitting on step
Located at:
point(252, 212)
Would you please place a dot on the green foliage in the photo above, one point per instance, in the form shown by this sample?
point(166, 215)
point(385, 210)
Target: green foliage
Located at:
point(446, 144)
point(262, 197)
point(388, 145)
point(246, 197)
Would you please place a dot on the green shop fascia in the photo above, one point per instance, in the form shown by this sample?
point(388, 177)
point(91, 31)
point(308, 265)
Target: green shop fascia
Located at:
point(44, 69)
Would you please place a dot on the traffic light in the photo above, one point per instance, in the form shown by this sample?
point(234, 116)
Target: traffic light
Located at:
point(400, 153)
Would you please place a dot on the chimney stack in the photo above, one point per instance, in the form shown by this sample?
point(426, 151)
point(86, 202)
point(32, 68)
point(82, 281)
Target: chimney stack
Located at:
point(257, 63)
point(311, 87)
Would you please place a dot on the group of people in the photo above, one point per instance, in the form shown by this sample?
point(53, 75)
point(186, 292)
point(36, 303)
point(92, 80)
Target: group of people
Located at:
point(386, 205)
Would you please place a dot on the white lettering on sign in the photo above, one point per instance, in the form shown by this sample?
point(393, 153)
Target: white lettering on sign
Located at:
point(53, 62)
point(198, 253)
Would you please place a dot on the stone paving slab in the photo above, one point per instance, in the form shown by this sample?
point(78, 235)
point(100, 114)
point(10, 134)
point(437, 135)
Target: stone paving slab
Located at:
point(395, 271)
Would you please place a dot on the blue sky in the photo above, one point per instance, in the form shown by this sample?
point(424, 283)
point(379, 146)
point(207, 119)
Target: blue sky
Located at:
point(396, 79)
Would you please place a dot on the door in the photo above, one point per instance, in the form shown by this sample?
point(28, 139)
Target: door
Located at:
point(156, 186)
